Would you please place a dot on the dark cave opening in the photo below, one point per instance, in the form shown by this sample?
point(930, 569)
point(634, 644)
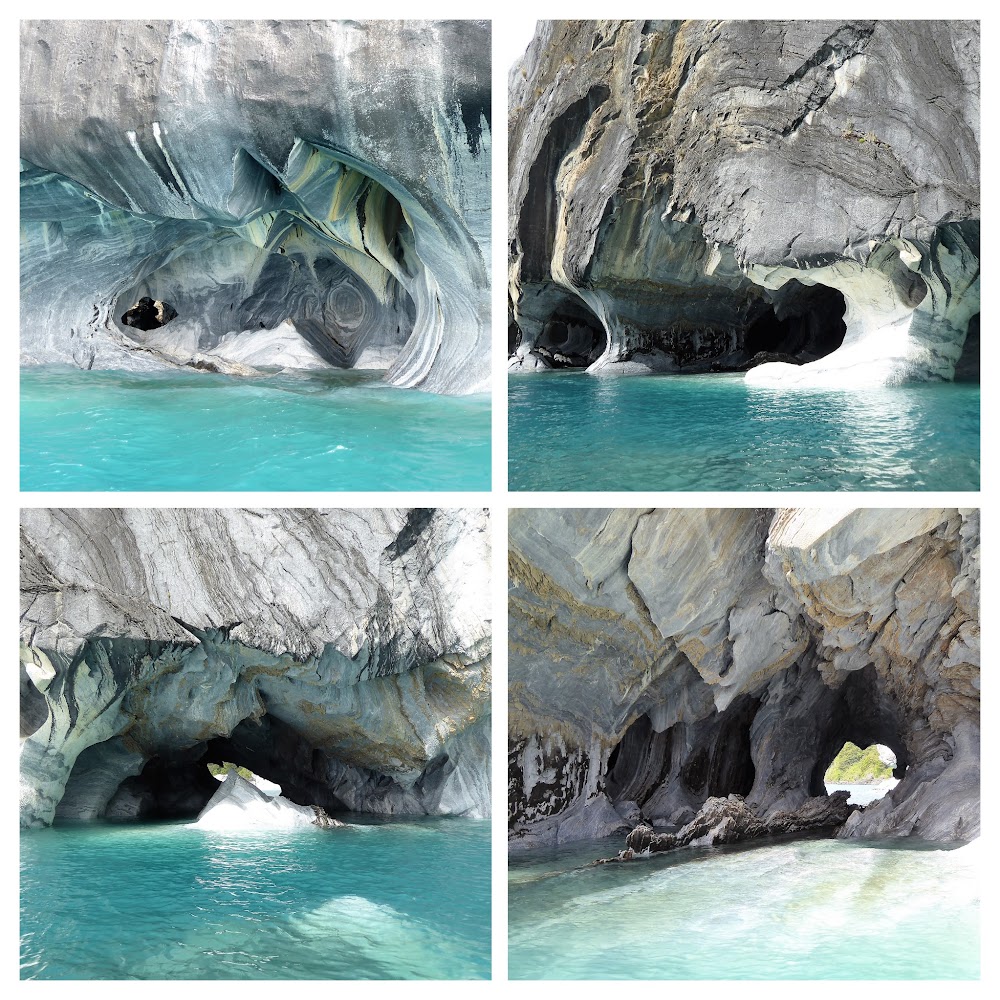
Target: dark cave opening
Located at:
point(165, 789)
point(298, 268)
point(805, 322)
point(967, 368)
point(864, 716)
point(573, 337)
point(720, 763)
point(639, 764)
point(537, 219)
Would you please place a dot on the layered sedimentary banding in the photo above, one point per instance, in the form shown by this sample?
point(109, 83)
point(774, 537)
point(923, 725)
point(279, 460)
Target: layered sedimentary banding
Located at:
point(330, 180)
point(344, 655)
point(699, 195)
point(676, 667)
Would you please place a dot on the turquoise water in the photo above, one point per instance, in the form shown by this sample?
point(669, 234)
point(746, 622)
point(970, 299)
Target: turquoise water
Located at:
point(808, 909)
point(104, 430)
point(400, 900)
point(571, 431)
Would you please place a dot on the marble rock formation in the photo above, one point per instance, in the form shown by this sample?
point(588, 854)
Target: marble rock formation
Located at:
point(692, 669)
point(328, 178)
point(342, 654)
point(685, 195)
point(239, 805)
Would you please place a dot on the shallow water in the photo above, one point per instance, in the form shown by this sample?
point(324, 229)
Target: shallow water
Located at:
point(863, 795)
point(807, 909)
point(346, 430)
point(406, 900)
point(572, 431)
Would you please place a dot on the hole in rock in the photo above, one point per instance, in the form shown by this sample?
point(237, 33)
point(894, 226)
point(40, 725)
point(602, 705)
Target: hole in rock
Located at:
point(329, 250)
point(805, 322)
point(149, 314)
point(866, 773)
point(573, 337)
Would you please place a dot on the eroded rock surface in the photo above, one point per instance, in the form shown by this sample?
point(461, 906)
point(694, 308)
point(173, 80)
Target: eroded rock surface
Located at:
point(668, 662)
point(687, 194)
point(239, 805)
point(343, 654)
point(331, 176)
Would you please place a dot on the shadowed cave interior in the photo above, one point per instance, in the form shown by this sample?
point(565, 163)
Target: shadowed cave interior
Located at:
point(178, 784)
point(805, 321)
point(768, 754)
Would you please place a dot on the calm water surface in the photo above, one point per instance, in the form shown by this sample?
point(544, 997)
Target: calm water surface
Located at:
point(200, 431)
point(572, 431)
point(812, 909)
point(393, 900)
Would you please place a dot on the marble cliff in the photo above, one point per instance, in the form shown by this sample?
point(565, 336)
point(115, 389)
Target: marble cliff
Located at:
point(298, 194)
point(687, 676)
point(343, 654)
point(799, 198)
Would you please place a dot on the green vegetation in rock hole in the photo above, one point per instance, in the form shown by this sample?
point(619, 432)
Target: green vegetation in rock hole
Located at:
point(225, 767)
point(854, 766)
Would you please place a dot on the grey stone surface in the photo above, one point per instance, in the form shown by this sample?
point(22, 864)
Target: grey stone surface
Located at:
point(331, 175)
point(662, 658)
point(674, 184)
point(343, 654)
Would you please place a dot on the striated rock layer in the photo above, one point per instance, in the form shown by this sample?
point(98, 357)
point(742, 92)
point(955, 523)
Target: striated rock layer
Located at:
point(686, 195)
point(343, 654)
point(689, 669)
point(328, 180)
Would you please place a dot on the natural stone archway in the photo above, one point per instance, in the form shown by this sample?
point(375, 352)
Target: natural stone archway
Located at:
point(303, 194)
point(666, 662)
point(344, 655)
point(692, 169)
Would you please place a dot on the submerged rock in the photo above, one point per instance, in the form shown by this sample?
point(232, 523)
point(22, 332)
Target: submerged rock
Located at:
point(691, 192)
point(343, 654)
point(240, 805)
point(330, 175)
point(698, 670)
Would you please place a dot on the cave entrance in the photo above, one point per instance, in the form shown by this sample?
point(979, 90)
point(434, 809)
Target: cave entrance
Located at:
point(572, 337)
point(803, 321)
point(866, 773)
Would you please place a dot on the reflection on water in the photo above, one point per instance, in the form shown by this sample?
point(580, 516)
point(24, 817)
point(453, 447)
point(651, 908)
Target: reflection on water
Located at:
point(569, 430)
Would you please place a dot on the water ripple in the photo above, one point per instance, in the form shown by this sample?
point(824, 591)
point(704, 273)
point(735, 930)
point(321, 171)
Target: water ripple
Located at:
point(570, 431)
